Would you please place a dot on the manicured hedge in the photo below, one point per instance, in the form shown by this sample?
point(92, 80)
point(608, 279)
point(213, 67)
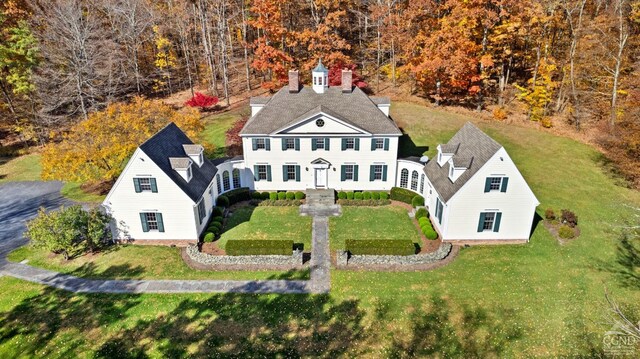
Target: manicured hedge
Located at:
point(342, 195)
point(217, 211)
point(403, 195)
point(256, 195)
point(427, 227)
point(216, 225)
point(291, 196)
point(422, 213)
point(265, 195)
point(222, 201)
point(208, 237)
point(299, 195)
point(349, 195)
point(375, 195)
point(399, 247)
point(357, 196)
point(417, 201)
point(277, 203)
point(273, 196)
point(364, 202)
point(250, 247)
point(282, 195)
point(238, 195)
point(384, 195)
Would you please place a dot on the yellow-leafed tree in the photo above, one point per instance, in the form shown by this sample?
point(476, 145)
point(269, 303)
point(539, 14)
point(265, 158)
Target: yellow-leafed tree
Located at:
point(98, 148)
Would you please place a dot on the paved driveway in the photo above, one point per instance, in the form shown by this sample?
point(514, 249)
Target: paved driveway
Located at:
point(19, 202)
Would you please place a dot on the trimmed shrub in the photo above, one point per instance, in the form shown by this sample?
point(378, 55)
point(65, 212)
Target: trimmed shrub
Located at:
point(398, 247)
point(569, 218)
point(299, 195)
point(217, 219)
point(282, 195)
point(549, 214)
point(256, 195)
point(273, 196)
point(368, 202)
point(252, 247)
point(291, 196)
point(350, 195)
point(215, 225)
point(417, 201)
point(422, 213)
point(357, 196)
point(375, 195)
point(279, 203)
point(217, 212)
point(402, 195)
point(214, 230)
point(366, 195)
point(566, 232)
point(342, 195)
point(384, 195)
point(238, 195)
point(222, 201)
point(423, 221)
point(208, 237)
point(430, 233)
point(265, 195)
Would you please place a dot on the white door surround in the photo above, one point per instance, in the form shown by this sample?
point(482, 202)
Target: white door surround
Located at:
point(320, 171)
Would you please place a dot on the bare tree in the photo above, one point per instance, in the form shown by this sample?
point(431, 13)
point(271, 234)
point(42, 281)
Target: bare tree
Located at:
point(574, 11)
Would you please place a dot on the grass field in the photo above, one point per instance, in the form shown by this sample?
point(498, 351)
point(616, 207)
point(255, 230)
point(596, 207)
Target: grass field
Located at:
point(540, 299)
point(23, 168)
point(216, 127)
point(130, 262)
point(384, 222)
point(268, 223)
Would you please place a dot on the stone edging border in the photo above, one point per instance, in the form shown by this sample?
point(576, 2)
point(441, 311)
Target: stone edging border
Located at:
point(199, 260)
point(443, 256)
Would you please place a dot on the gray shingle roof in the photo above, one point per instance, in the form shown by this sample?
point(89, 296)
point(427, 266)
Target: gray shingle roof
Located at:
point(167, 143)
point(449, 147)
point(286, 108)
point(381, 100)
point(475, 146)
point(192, 149)
point(179, 163)
point(258, 100)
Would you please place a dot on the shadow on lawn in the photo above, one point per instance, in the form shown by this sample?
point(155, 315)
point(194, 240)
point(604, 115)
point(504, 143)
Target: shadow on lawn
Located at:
point(58, 323)
point(626, 267)
point(408, 148)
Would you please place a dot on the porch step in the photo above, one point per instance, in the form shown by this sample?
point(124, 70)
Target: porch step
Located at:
point(320, 197)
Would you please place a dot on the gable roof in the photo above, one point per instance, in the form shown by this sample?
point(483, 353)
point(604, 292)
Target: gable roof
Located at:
point(166, 145)
point(286, 108)
point(473, 148)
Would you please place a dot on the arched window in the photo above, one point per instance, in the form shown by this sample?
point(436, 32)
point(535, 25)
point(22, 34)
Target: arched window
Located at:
point(218, 183)
point(414, 180)
point(225, 181)
point(404, 178)
point(422, 183)
point(236, 178)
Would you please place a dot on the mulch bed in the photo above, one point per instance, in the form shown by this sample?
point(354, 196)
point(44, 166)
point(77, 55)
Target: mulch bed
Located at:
point(553, 229)
point(211, 248)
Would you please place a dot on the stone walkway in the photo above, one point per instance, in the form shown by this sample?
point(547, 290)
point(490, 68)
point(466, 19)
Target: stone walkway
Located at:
point(19, 202)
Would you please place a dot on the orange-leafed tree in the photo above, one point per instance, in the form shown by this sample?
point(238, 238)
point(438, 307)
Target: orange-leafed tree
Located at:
point(97, 148)
point(202, 101)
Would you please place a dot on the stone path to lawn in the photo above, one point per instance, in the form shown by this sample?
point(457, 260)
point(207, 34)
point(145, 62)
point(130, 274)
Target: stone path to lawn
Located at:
point(19, 202)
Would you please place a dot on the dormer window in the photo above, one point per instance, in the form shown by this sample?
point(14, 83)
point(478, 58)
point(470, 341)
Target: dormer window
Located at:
point(195, 152)
point(189, 173)
point(451, 171)
point(182, 165)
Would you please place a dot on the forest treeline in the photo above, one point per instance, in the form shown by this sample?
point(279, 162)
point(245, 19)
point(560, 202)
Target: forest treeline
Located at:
point(559, 60)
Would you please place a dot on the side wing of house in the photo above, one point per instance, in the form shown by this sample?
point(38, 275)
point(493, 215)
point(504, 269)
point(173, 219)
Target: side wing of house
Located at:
point(495, 205)
point(148, 205)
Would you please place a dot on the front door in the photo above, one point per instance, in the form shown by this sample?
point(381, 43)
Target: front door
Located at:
point(320, 177)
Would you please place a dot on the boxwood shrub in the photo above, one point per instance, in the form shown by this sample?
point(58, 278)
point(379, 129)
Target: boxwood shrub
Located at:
point(398, 247)
point(299, 195)
point(367, 202)
point(273, 196)
point(278, 203)
point(256, 195)
point(214, 230)
point(217, 211)
point(217, 219)
point(265, 195)
point(366, 195)
point(282, 195)
point(291, 196)
point(402, 195)
point(222, 201)
point(208, 237)
point(417, 201)
point(422, 221)
point(384, 195)
point(350, 195)
point(342, 195)
point(422, 213)
point(357, 196)
point(238, 195)
point(215, 225)
point(375, 195)
point(430, 233)
point(250, 247)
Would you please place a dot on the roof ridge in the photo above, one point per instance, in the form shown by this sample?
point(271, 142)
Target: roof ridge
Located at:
point(159, 132)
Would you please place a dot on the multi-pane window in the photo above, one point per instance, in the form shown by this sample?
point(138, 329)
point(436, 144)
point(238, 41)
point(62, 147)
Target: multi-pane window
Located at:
point(495, 183)
point(145, 184)
point(439, 210)
point(350, 143)
point(319, 143)
point(290, 143)
point(291, 172)
point(348, 172)
point(201, 210)
point(189, 174)
point(377, 172)
point(225, 181)
point(422, 183)
point(489, 218)
point(404, 178)
point(262, 172)
point(414, 180)
point(379, 143)
point(260, 144)
point(218, 183)
point(236, 178)
point(152, 221)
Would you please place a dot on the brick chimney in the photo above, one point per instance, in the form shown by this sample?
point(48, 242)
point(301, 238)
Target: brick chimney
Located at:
point(294, 81)
point(347, 80)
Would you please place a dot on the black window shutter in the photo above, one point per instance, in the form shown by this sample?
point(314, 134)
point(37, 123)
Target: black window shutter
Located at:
point(143, 220)
point(355, 173)
point(344, 144)
point(384, 172)
point(505, 182)
point(284, 173)
point(373, 144)
point(357, 144)
point(284, 144)
point(297, 144)
point(267, 144)
point(254, 144)
point(136, 185)
point(343, 173)
point(268, 173)
point(386, 144)
point(154, 185)
point(314, 144)
point(372, 173)
point(487, 185)
point(256, 176)
point(481, 222)
point(326, 143)
point(160, 222)
point(297, 173)
point(496, 225)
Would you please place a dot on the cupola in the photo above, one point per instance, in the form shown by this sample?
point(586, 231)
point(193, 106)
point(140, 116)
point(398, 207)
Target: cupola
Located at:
point(320, 78)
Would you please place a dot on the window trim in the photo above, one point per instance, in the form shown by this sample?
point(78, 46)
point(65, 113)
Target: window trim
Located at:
point(154, 221)
point(290, 144)
point(375, 171)
point(289, 172)
point(414, 180)
point(353, 143)
point(346, 172)
point(379, 144)
point(260, 172)
point(143, 185)
point(202, 212)
point(226, 182)
point(404, 178)
point(235, 175)
point(319, 143)
point(264, 143)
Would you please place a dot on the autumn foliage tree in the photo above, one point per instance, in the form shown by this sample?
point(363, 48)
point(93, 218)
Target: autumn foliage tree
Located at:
point(202, 101)
point(97, 148)
point(335, 75)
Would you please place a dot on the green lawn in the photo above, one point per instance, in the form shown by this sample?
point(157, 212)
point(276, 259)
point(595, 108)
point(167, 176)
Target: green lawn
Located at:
point(216, 127)
point(129, 262)
point(268, 223)
point(23, 168)
point(385, 222)
point(535, 300)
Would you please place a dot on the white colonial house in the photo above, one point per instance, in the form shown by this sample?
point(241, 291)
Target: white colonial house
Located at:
point(321, 137)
